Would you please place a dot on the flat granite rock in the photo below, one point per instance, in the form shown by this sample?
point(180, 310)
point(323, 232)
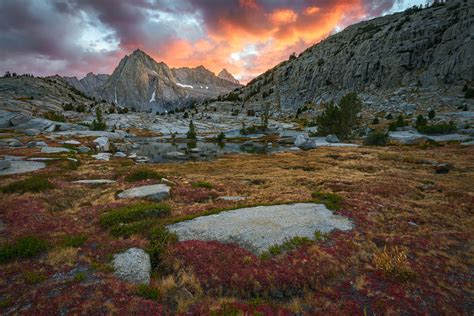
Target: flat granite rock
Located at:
point(258, 228)
point(19, 166)
point(54, 150)
point(156, 192)
point(95, 181)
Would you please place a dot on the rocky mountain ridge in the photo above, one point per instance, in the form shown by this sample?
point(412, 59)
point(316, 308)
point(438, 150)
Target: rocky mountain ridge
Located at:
point(432, 47)
point(224, 74)
point(141, 83)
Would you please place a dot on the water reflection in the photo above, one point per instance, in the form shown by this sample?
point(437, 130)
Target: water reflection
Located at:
point(158, 151)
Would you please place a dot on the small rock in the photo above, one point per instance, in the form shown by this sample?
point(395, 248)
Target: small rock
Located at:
point(95, 181)
point(195, 150)
point(15, 143)
point(83, 149)
point(36, 144)
point(120, 154)
point(310, 144)
point(248, 143)
point(332, 139)
point(133, 266)
point(102, 156)
point(72, 142)
point(5, 164)
point(54, 150)
point(102, 143)
point(442, 168)
point(32, 132)
point(232, 198)
point(155, 192)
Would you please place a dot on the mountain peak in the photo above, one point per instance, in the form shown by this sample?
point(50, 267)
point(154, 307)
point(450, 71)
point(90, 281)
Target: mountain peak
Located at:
point(224, 74)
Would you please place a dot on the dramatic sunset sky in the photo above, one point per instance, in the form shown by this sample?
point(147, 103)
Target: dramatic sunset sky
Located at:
point(74, 37)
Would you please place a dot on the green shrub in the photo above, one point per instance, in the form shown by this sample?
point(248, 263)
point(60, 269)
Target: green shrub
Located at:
point(288, 245)
point(98, 124)
point(331, 200)
point(221, 137)
point(148, 292)
point(133, 213)
point(400, 122)
point(375, 121)
point(376, 139)
point(442, 128)
point(143, 174)
point(160, 238)
point(202, 184)
point(24, 247)
point(421, 121)
point(79, 276)
point(340, 119)
point(33, 184)
point(31, 277)
point(53, 116)
point(74, 241)
point(191, 134)
point(469, 94)
point(431, 114)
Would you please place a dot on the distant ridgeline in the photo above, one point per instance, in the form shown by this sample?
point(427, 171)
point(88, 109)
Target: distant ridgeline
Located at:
point(424, 47)
point(141, 83)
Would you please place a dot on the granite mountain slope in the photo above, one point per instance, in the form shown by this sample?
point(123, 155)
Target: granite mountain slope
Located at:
point(432, 47)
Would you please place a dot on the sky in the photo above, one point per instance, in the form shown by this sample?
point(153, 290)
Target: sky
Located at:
point(247, 37)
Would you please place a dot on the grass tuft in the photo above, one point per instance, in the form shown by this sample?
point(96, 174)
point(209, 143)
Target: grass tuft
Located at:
point(393, 262)
point(74, 241)
point(288, 245)
point(143, 174)
point(33, 184)
point(32, 277)
point(331, 200)
point(24, 247)
point(147, 291)
point(202, 184)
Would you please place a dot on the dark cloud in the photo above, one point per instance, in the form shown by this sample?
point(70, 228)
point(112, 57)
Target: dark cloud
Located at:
point(77, 36)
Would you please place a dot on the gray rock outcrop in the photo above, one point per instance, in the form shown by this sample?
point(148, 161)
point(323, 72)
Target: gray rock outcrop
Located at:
point(133, 266)
point(156, 192)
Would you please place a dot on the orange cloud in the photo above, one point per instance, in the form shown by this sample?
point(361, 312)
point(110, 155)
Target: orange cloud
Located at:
point(249, 42)
point(283, 16)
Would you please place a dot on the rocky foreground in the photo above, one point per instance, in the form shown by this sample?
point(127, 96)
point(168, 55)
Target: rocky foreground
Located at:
point(81, 235)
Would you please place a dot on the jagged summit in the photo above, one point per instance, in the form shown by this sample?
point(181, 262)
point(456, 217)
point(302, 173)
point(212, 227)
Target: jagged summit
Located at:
point(224, 74)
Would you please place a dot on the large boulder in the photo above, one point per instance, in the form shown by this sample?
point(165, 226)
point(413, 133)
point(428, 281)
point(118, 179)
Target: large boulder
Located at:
point(310, 144)
point(102, 143)
point(156, 192)
point(133, 266)
point(332, 139)
point(301, 139)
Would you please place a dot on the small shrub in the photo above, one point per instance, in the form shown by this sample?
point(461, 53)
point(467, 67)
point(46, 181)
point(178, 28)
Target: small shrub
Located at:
point(79, 277)
point(469, 94)
point(331, 200)
point(191, 134)
point(143, 174)
point(147, 291)
point(134, 213)
point(24, 247)
point(220, 138)
point(431, 114)
point(53, 116)
point(421, 121)
point(33, 184)
point(160, 238)
point(375, 121)
point(400, 122)
point(98, 124)
point(393, 263)
point(288, 245)
point(31, 277)
point(376, 139)
point(319, 236)
point(442, 128)
point(74, 241)
point(202, 184)
point(340, 119)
